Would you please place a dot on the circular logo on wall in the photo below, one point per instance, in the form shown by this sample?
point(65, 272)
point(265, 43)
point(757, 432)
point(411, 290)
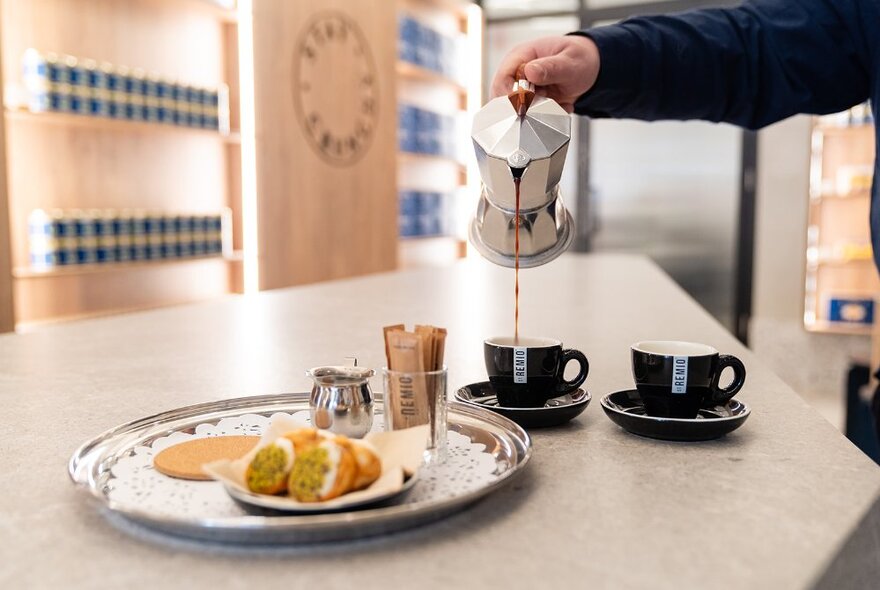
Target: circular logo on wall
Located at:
point(335, 88)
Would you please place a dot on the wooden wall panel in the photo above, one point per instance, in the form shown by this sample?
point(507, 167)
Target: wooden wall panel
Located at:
point(323, 215)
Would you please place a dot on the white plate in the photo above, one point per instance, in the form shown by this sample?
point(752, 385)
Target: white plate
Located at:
point(282, 504)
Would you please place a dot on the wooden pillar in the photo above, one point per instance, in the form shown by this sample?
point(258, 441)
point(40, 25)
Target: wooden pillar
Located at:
point(7, 313)
point(326, 124)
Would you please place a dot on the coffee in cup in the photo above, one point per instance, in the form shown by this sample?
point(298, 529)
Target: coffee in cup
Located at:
point(675, 379)
point(526, 372)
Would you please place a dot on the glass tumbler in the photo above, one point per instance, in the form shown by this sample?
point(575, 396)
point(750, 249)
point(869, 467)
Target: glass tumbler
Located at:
point(413, 399)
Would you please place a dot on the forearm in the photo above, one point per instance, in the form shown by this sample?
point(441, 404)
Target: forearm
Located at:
point(751, 65)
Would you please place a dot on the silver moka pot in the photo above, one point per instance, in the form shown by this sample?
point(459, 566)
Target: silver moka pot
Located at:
point(528, 140)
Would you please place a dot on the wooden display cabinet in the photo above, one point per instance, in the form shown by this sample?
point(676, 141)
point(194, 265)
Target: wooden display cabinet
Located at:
point(457, 176)
point(841, 279)
point(70, 161)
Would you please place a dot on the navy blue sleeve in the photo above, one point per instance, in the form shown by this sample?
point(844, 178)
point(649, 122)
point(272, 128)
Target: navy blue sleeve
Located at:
point(751, 65)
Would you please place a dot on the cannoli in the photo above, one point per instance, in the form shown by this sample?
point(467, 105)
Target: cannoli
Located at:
point(304, 438)
point(268, 471)
point(322, 472)
point(369, 466)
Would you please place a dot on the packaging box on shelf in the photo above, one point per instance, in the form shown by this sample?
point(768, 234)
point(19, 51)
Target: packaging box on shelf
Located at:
point(62, 238)
point(423, 214)
point(851, 309)
point(425, 47)
point(421, 131)
point(67, 84)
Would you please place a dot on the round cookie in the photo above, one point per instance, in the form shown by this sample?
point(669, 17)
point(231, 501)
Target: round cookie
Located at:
point(184, 460)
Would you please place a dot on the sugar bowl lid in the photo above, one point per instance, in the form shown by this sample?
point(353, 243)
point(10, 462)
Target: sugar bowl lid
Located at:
point(340, 375)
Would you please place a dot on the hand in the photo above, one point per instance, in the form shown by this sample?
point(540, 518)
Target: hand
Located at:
point(561, 68)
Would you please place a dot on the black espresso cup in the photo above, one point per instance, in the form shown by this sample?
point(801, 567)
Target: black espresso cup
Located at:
point(676, 379)
point(527, 372)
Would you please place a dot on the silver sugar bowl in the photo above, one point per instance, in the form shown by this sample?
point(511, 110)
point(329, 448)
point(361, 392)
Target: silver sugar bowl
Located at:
point(341, 400)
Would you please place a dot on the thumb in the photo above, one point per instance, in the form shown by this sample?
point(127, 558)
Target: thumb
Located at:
point(545, 71)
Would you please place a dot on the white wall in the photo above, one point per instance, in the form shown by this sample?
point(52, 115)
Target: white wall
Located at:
point(781, 219)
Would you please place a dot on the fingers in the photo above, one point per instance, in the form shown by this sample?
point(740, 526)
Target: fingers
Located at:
point(548, 70)
point(504, 76)
point(547, 92)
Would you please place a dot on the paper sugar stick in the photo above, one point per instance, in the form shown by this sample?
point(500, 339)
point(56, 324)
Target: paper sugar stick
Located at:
point(386, 330)
point(407, 398)
point(427, 334)
point(440, 341)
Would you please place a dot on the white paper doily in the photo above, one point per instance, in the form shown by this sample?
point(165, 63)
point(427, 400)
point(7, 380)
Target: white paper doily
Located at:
point(134, 483)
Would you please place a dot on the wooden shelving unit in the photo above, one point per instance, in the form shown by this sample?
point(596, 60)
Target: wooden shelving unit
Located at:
point(839, 268)
point(437, 92)
point(69, 161)
point(118, 125)
point(412, 72)
point(426, 251)
point(411, 159)
point(843, 130)
point(27, 272)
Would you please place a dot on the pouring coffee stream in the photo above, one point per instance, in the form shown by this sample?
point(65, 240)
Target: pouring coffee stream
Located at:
point(516, 182)
point(521, 98)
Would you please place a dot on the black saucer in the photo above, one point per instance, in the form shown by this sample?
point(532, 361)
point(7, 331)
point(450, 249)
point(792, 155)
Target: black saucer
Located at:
point(556, 411)
point(626, 409)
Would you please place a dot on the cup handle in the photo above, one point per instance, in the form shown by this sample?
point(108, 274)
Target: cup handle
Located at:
point(721, 395)
point(563, 386)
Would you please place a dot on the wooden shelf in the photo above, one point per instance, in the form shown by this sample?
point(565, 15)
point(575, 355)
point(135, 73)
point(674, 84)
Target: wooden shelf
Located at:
point(457, 6)
point(90, 269)
point(121, 125)
point(441, 238)
point(409, 71)
point(419, 252)
point(860, 194)
point(224, 14)
point(839, 328)
point(406, 157)
point(210, 7)
point(845, 130)
point(830, 261)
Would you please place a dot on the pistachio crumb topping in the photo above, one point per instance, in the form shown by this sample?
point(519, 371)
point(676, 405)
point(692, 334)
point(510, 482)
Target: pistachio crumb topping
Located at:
point(267, 469)
point(308, 473)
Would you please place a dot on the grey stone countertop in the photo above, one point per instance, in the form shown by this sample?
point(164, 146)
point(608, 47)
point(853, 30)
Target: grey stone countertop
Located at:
point(784, 502)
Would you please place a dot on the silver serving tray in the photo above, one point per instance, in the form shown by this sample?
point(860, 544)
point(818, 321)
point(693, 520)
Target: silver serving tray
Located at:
point(90, 466)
